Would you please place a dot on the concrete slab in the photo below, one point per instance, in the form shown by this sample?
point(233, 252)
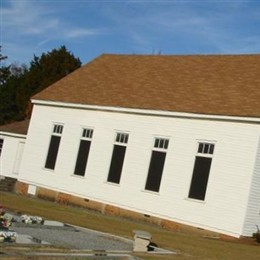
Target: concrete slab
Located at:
point(26, 239)
point(53, 223)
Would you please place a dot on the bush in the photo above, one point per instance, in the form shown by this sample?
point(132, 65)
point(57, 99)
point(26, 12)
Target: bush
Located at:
point(257, 235)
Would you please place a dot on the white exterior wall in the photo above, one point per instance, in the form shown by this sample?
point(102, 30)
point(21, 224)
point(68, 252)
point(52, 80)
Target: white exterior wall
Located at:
point(252, 220)
point(230, 176)
point(11, 155)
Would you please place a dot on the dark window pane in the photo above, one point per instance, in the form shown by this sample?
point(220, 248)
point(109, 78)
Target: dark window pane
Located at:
point(116, 164)
point(126, 138)
point(84, 134)
point(211, 149)
point(82, 158)
point(118, 138)
point(90, 133)
point(166, 143)
point(155, 171)
point(1, 145)
point(161, 143)
point(206, 148)
point(53, 152)
point(60, 129)
point(156, 143)
point(200, 150)
point(200, 178)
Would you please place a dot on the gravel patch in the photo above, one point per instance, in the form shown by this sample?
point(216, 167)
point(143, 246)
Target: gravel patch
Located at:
point(75, 237)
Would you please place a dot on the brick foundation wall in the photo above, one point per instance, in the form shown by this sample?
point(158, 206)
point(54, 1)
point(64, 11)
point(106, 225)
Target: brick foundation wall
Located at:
point(46, 194)
point(21, 188)
point(67, 199)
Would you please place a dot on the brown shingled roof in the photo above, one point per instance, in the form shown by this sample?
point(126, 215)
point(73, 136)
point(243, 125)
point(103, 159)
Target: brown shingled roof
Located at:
point(207, 84)
point(19, 127)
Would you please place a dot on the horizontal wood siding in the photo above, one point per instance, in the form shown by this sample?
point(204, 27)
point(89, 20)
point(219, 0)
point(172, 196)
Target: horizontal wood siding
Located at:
point(252, 219)
point(11, 156)
point(229, 179)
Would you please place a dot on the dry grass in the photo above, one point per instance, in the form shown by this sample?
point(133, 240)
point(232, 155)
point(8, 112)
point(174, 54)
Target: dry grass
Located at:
point(188, 245)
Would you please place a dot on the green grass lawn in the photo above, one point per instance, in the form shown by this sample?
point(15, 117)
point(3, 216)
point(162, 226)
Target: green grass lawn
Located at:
point(188, 245)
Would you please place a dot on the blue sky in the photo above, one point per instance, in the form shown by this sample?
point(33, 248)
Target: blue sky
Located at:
point(90, 28)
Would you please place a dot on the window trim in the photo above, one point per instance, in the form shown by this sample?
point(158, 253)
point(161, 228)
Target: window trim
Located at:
point(209, 151)
point(57, 130)
point(86, 135)
point(157, 141)
point(121, 138)
point(205, 155)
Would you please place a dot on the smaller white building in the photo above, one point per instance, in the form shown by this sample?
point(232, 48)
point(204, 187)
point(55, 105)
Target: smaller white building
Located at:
point(12, 141)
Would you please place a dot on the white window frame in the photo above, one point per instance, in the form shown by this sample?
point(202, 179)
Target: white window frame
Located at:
point(87, 133)
point(162, 141)
point(205, 153)
point(121, 138)
point(57, 129)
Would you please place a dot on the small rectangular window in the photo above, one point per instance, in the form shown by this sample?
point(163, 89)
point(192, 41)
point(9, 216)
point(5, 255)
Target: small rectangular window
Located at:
point(206, 148)
point(83, 152)
point(201, 171)
point(118, 157)
point(155, 171)
point(1, 145)
point(57, 129)
point(161, 143)
point(122, 138)
point(87, 133)
point(54, 147)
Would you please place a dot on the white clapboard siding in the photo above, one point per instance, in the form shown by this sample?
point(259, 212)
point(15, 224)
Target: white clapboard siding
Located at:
point(229, 182)
point(11, 156)
point(252, 219)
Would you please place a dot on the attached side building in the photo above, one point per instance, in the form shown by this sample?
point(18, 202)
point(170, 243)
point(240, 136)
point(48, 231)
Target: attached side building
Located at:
point(12, 141)
point(171, 137)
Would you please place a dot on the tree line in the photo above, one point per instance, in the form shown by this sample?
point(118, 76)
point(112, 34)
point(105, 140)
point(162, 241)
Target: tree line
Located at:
point(18, 83)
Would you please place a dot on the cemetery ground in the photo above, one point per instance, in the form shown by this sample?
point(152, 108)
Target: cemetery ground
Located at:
point(186, 245)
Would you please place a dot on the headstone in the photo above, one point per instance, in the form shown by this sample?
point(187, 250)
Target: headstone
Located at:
point(142, 240)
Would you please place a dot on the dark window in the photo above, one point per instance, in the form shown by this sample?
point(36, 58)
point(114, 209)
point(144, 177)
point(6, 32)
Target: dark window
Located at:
point(206, 148)
point(54, 147)
point(200, 178)
point(161, 143)
point(122, 138)
point(82, 158)
point(200, 150)
point(53, 152)
point(57, 129)
point(116, 164)
point(201, 171)
point(118, 157)
point(87, 133)
point(155, 171)
point(1, 145)
point(211, 149)
point(83, 152)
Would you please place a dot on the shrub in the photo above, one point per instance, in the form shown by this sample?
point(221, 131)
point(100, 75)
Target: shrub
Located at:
point(257, 235)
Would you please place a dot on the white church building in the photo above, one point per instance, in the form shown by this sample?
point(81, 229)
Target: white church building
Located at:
point(174, 138)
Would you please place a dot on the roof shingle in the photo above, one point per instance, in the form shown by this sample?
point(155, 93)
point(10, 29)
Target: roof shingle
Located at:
point(18, 127)
point(206, 84)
